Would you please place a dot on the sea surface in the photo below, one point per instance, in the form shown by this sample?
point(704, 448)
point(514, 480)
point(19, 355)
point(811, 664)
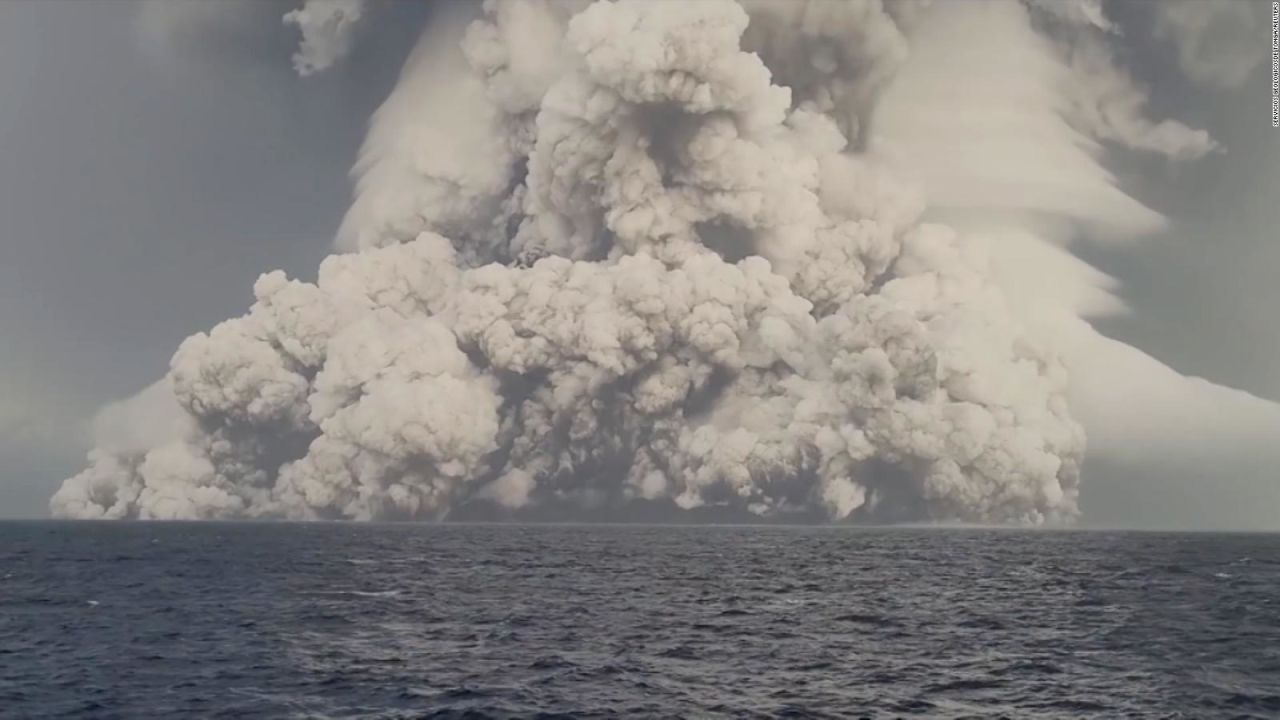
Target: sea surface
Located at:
point(136, 620)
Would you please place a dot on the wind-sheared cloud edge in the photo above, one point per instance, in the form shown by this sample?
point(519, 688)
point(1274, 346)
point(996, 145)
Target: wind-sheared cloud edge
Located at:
point(795, 259)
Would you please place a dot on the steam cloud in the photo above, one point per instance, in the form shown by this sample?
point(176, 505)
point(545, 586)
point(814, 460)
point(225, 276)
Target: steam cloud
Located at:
point(631, 251)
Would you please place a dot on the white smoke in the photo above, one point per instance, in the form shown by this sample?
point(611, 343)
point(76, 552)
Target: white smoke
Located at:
point(638, 251)
point(326, 27)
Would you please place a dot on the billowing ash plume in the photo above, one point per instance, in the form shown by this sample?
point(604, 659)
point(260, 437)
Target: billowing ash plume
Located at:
point(619, 252)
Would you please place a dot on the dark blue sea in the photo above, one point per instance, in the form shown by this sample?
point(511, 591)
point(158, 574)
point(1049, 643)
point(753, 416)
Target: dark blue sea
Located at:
point(142, 620)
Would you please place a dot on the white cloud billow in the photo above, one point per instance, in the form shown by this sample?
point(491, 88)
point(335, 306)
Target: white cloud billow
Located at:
point(614, 252)
point(326, 27)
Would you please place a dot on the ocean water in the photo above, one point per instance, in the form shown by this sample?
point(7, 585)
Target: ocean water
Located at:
point(499, 621)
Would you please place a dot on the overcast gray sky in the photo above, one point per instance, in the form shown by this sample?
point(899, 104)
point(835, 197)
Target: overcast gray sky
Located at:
point(147, 177)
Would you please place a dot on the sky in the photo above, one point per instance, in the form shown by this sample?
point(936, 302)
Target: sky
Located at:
point(150, 171)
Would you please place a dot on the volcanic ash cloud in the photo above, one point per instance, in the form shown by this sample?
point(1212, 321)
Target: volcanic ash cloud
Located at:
point(612, 253)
